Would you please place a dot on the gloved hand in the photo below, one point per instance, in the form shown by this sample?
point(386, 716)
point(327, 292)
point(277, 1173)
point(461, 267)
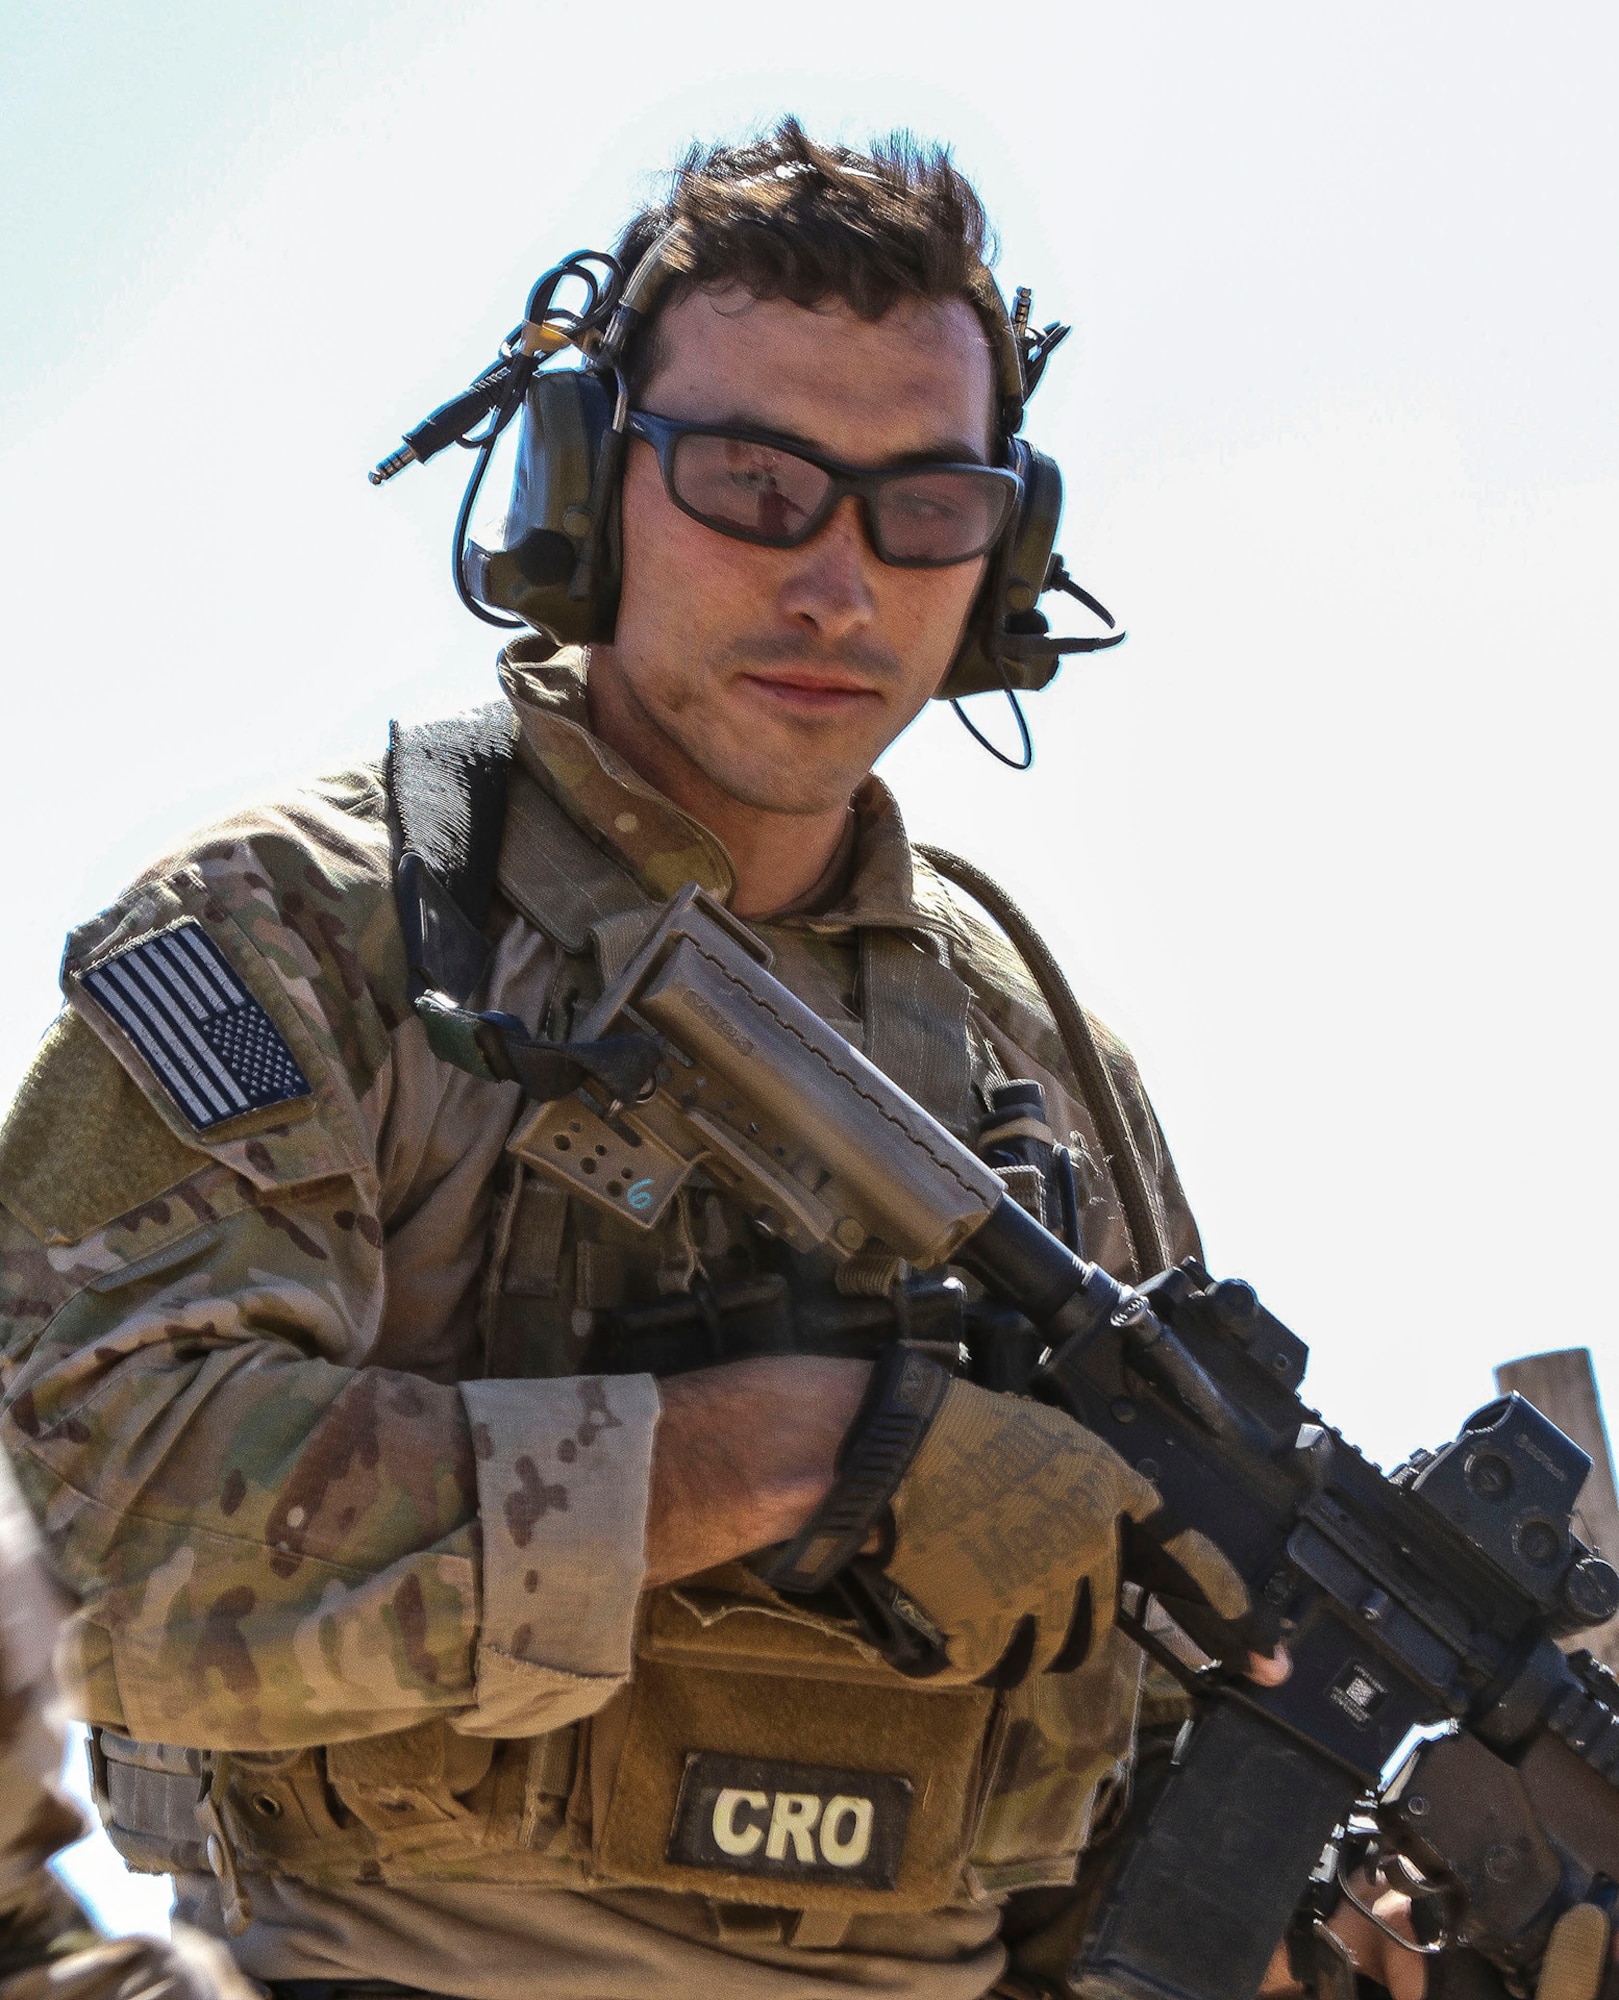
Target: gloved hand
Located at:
point(1579, 1956)
point(999, 1520)
point(1006, 1534)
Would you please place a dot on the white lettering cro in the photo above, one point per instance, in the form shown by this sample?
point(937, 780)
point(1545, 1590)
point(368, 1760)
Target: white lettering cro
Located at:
point(730, 1838)
point(846, 1849)
point(793, 1818)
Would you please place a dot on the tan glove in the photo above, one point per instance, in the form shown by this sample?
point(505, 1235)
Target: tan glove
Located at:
point(1006, 1534)
point(1002, 1535)
point(1578, 1955)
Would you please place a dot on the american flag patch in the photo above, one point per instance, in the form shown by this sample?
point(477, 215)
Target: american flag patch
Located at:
point(208, 1041)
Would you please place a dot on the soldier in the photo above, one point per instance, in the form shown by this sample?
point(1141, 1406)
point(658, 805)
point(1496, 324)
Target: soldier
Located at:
point(411, 1574)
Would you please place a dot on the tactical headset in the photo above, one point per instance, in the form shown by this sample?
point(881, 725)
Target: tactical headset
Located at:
point(560, 562)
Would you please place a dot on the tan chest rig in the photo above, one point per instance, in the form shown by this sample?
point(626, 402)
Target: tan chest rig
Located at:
point(760, 1754)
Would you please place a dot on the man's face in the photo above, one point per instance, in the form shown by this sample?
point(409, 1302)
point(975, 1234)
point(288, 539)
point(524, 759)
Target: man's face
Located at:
point(778, 675)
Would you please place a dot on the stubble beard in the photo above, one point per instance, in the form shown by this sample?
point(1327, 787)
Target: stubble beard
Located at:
point(803, 781)
point(801, 786)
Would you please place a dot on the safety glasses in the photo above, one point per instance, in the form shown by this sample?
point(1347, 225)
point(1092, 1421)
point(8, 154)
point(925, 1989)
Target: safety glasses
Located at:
point(750, 485)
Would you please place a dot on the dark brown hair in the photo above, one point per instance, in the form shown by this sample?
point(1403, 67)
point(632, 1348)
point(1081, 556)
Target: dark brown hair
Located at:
point(786, 218)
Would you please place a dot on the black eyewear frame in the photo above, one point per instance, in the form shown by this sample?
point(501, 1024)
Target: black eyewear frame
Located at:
point(994, 489)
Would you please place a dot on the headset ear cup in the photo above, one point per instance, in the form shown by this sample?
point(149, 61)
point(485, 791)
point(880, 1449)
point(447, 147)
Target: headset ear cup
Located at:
point(566, 416)
point(1005, 607)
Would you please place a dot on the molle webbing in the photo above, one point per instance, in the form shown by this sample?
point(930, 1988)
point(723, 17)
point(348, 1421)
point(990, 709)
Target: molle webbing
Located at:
point(411, 1803)
point(554, 874)
point(913, 1009)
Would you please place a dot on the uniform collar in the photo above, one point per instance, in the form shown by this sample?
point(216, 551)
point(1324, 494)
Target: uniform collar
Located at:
point(662, 846)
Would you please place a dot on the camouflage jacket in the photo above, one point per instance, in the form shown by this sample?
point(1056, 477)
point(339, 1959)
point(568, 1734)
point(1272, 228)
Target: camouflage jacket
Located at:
point(313, 1479)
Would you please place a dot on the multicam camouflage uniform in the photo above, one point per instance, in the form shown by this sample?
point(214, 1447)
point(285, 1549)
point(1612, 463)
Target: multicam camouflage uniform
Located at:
point(298, 1398)
point(48, 1946)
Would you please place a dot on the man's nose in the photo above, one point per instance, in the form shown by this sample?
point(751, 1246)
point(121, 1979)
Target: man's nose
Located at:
point(829, 586)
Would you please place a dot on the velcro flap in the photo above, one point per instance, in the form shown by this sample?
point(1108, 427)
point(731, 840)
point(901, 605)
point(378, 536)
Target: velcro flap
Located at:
point(81, 1144)
point(861, 1796)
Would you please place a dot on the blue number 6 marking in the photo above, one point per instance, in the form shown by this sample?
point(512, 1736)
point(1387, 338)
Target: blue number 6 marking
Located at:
point(640, 1194)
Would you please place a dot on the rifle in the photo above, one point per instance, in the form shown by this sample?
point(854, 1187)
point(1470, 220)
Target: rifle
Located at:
point(1421, 1609)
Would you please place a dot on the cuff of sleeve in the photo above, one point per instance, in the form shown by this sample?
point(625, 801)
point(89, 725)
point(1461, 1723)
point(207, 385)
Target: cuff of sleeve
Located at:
point(564, 1470)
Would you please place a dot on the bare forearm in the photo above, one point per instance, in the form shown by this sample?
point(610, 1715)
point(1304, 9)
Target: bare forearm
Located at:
point(744, 1455)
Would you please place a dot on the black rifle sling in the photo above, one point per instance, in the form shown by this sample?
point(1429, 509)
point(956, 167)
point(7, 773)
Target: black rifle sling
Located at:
point(448, 782)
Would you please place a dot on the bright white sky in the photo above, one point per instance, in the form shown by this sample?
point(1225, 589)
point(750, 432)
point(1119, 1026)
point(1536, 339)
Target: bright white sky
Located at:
point(1329, 840)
